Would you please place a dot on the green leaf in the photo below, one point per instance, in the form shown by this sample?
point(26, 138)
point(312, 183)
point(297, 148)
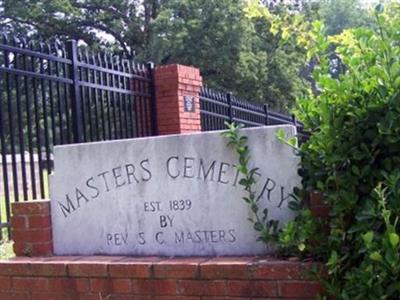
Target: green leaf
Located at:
point(394, 239)
point(320, 185)
point(333, 259)
point(301, 247)
point(280, 134)
point(253, 171)
point(355, 170)
point(254, 208)
point(294, 205)
point(242, 169)
point(265, 214)
point(246, 199)
point(397, 82)
point(258, 226)
point(243, 181)
point(292, 141)
point(243, 139)
point(375, 256)
point(368, 237)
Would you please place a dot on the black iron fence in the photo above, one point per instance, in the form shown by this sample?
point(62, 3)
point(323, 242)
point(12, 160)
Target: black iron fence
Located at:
point(217, 108)
point(52, 94)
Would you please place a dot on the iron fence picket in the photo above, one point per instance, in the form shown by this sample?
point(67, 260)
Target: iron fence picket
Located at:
point(10, 124)
point(29, 126)
point(37, 125)
point(6, 198)
point(19, 116)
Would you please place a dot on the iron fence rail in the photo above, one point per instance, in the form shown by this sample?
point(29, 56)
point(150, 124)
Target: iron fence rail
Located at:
point(52, 94)
point(217, 108)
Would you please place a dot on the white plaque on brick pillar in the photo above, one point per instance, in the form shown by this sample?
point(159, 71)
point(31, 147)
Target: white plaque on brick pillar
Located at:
point(171, 195)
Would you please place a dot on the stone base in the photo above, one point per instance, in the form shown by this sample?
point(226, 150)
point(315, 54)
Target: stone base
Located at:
point(153, 278)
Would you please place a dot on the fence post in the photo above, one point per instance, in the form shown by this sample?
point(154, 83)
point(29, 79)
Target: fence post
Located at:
point(229, 100)
point(294, 121)
point(153, 106)
point(266, 122)
point(76, 101)
point(177, 89)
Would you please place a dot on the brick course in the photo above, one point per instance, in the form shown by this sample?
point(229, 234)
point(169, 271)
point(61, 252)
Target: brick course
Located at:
point(152, 278)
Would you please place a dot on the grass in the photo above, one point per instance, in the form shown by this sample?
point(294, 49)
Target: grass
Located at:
point(2, 208)
point(6, 249)
point(6, 246)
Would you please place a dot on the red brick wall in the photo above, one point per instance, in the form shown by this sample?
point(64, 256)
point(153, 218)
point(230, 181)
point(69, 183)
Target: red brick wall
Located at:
point(172, 83)
point(31, 228)
point(123, 278)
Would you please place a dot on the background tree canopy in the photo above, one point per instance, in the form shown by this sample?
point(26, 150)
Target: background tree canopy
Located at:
point(234, 52)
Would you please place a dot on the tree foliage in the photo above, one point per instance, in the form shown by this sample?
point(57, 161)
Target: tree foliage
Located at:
point(353, 157)
point(233, 50)
point(338, 15)
point(125, 22)
point(232, 47)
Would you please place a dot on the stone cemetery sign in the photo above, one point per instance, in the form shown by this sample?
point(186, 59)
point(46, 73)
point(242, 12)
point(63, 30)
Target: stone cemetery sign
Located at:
point(173, 195)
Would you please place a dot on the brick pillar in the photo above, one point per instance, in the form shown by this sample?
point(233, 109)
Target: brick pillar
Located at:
point(31, 228)
point(176, 85)
point(317, 206)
